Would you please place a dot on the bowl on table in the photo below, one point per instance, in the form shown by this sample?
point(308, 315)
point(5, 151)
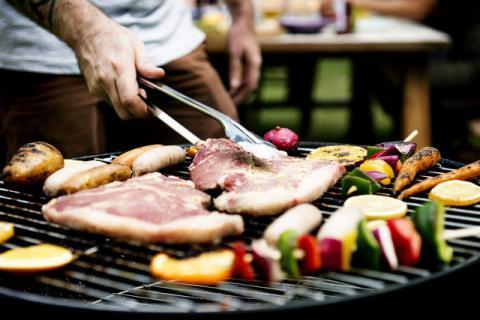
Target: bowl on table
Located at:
point(302, 24)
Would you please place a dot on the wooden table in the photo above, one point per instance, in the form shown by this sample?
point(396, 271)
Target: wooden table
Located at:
point(383, 38)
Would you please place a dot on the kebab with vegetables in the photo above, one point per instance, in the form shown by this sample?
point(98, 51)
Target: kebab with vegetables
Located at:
point(407, 241)
point(367, 254)
point(382, 234)
point(359, 182)
point(290, 233)
point(338, 238)
point(429, 222)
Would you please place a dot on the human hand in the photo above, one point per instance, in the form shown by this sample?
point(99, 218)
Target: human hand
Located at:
point(244, 59)
point(110, 58)
point(326, 9)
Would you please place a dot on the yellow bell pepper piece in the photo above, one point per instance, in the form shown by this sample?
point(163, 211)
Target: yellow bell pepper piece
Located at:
point(349, 245)
point(380, 166)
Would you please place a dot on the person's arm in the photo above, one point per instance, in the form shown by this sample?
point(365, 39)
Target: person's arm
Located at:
point(413, 9)
point(108, 54)
point(245, 57)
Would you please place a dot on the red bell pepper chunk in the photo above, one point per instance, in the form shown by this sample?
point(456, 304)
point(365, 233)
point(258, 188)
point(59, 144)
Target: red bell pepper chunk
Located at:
point(311, 261)
point(377, 154)
point(242, 268)
point(407, 241)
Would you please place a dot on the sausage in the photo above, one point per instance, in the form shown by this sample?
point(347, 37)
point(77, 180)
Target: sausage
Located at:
point(468, 172)
point(420, 161)
point(96, 177)
point(32, 164)
point(72, 162)
point(302, 219)
point(129, 157)
point(158, 158)
point(53, 186)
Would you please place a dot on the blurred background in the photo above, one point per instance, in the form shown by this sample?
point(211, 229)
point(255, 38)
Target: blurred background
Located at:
point(349, 82)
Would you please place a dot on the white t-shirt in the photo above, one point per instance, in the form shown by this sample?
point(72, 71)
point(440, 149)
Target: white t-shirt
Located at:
point(164, 26)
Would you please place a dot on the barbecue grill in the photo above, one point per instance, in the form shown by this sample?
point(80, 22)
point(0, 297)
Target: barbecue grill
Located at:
point(113, 276)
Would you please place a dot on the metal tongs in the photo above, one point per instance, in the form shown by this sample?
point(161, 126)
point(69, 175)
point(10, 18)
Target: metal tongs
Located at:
point(233, 130)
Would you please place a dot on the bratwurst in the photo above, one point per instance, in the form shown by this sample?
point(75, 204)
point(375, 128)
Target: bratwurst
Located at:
point(54, 185)
point(158, 158)
point(129, 157)
point(96, 177)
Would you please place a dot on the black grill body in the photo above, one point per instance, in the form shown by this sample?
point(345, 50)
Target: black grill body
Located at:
point(112, 276)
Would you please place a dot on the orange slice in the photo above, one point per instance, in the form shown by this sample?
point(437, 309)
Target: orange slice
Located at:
point(38, 258)
point(208, 268)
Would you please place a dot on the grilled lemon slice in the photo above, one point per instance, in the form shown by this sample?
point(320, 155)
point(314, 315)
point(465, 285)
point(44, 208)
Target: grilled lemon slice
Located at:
point(38, 258)
point(378, 207)
point(344, 153)
point(456, 193)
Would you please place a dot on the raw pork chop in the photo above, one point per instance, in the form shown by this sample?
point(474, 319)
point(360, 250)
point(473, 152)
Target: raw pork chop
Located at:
point(260, 186)
point(151, 208)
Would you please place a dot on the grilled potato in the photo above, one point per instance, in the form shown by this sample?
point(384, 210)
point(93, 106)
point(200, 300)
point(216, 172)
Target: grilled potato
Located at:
point(345, 154)
point(32, 164)
point(96, 177)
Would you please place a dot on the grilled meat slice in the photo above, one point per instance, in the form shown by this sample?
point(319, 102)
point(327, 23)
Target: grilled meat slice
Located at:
point(257, 186)
point(151, 208)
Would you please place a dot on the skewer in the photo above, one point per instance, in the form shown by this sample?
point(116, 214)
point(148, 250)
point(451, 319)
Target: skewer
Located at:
point(411, 136)
point(352, 190)
point(461, 233)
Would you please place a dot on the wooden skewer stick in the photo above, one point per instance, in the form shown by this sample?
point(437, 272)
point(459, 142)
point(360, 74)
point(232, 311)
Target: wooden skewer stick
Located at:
point(411, 136)
point(352, 190)
point(461, 233)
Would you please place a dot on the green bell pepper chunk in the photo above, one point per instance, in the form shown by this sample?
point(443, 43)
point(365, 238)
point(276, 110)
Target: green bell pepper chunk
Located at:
point(368, 254)
point(361, 174)
point(363, 186)
point(371, 150)
point(287, 243)
point(363, 182)
point(429, 221)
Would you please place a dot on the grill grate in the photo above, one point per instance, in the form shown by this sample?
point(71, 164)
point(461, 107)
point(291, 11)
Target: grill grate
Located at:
point(114, 274)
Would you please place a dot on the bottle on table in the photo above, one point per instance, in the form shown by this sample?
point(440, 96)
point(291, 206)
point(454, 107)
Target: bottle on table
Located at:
point(344, 16)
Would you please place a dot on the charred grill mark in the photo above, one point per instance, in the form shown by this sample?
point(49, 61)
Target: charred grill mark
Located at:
point(38, 151)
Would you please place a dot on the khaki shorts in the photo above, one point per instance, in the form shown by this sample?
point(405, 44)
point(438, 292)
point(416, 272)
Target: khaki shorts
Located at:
point(60, 110)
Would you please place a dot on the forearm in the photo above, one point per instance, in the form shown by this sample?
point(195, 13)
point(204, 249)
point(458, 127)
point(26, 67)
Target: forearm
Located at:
point(69, 20)
point(413, 9)
point(241, 10)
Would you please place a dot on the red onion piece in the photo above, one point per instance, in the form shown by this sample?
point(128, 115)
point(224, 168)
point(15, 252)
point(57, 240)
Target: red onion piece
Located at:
point(283, 138)
point(376, 175)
